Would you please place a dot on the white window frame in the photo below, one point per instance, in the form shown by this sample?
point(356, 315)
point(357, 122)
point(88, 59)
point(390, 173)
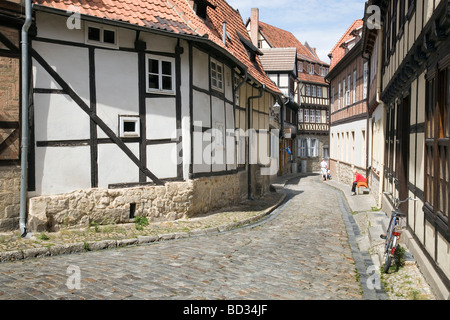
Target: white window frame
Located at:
point(313, 147)
point(219, 82)
point(354, 86)
point(101, 42)
point(306, 115)
point(311, 68)
point(308, 90)
point(319, 92)
point(343, 93)
point(160, 60)
point(347, 94)
point(129, 134)
point(313, 89)
point(318, 116)
point(300, 66)
point(300, 115)
point(339, 96)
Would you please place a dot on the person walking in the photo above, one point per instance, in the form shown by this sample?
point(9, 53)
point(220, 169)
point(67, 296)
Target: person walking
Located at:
point(324, 169)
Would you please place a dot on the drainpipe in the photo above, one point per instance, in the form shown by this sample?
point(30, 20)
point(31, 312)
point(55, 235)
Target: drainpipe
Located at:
point(25, 104)
point(249, 173)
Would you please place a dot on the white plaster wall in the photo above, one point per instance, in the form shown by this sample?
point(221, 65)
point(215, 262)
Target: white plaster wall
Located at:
point(201, 69)
point(57, 117)
point(343, 154)
point(161, 118)
point(162, 160)
point(61, 170)
point(117, 86)
point(159, 43)
point(114, 166)
point(201, 108)
point(64, 60)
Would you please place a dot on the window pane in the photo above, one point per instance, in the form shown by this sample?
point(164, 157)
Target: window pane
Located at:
point(129, 126)
point(167, 83)
point(166, 68)
point(153, 66)
point(109, 36)
point(153, 81)
point(94, 34)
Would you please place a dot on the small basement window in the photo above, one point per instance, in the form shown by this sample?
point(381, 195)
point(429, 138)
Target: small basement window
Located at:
point(101, 35)
point(129, 126)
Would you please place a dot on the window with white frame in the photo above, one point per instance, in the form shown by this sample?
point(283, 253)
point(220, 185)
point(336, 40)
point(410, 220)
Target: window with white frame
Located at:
point(308, 90)
point(311, 68)
point(347, 94)
point(313, 91)
point(343, 93)
point(312, 116)
point(366, 79)
point(319, 92)
point(354, 86)
point(129, 126)
point(332, 99)
point(303, 148)
point(339, 96)
point(216, 75)
point(300, 115)
point(306, 115)
point(101, 35)
point(300, 66)
point(318, 112)
point(160, 74)
point(313, 147)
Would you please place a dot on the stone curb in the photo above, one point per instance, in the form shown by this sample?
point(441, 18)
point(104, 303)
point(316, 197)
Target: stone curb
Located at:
point(80, 247)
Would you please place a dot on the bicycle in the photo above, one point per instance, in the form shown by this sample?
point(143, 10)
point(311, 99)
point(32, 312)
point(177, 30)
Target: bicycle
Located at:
point(394, 232)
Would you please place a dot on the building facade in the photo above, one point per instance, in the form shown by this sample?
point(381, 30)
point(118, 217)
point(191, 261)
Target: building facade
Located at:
point(414, 61)
point(349, 79)
point(137, 113)
point(307, 113)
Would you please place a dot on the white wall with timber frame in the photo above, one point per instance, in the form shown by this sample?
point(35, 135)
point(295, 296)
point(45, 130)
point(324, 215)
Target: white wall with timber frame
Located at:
point(80, 92)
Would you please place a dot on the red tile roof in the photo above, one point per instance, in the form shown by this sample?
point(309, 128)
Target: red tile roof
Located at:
point(279, 38)
point(178, 17)
point(338, 52)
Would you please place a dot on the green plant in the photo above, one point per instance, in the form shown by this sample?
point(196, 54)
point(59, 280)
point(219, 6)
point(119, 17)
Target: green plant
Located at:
point(86, 246)
point(399, 257)
point(140, 222)
point(96, 226)
point(43, 236)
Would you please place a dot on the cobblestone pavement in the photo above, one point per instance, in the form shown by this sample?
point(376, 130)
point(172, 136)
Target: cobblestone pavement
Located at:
point(301, 251)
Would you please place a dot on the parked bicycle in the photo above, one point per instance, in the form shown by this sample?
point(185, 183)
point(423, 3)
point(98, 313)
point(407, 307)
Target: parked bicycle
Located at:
point(394, 231)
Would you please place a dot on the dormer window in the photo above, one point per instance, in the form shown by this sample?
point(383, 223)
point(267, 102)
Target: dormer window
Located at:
point(311, 69)
point(200, 7)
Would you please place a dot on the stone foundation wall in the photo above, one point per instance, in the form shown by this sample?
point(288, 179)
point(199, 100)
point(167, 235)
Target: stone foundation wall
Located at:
point(9, 198)
point(172, 201)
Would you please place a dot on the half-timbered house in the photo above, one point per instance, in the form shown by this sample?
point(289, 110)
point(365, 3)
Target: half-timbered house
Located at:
point(306, 114)
point(349, 134)
point(11, 21)
point(414, 64)
point(143, 108)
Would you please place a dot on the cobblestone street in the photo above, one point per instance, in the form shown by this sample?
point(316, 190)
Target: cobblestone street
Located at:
point(300, 252)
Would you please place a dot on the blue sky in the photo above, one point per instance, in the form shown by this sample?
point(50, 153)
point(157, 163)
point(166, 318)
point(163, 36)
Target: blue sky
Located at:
point(319, 22)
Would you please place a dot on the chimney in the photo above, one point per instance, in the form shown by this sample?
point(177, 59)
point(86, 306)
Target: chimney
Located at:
point(254, 26)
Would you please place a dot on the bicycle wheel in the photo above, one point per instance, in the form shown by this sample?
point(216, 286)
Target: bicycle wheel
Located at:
point(387, 263)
